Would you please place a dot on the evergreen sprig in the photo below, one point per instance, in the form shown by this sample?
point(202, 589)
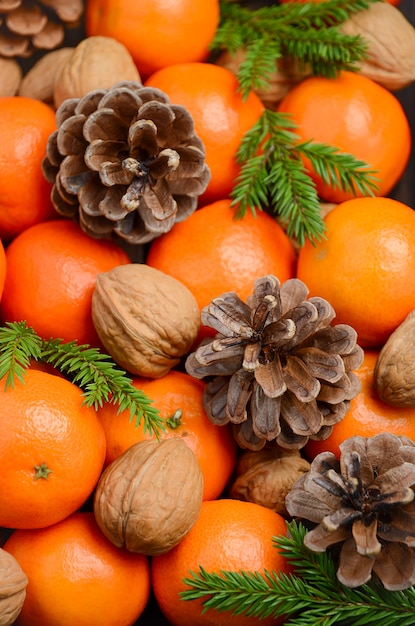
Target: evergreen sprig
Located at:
point(93, 371)
point(273, 175)
point(310, 596)
point(308, 33)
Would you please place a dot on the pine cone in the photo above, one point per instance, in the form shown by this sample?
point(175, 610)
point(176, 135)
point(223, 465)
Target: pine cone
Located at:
point(30, 25)
point(365, 503)
point(277, 369)
point(125, 161)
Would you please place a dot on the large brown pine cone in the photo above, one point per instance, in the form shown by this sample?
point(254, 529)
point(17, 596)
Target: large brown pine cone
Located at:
point(124, 161)
point(30, 25)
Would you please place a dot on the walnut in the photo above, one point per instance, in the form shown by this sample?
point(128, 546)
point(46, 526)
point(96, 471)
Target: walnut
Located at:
point(267, 475)
point(149, 498)
point(10, 77)
point(39, 82)
point(146, 319)
point(13, 583)
point(394, 375)
point(287, 74)
point(390, 39)
point(96, 63)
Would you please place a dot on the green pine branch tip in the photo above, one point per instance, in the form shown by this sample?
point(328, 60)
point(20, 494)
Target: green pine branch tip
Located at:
point(100, 378)
point(308, 596)
point(273, 176)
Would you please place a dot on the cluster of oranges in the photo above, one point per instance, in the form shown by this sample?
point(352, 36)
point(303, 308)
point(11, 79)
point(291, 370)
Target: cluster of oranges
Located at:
point(53, 447)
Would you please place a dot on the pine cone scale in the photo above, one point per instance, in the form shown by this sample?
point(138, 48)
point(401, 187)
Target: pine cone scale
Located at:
point(120, 136)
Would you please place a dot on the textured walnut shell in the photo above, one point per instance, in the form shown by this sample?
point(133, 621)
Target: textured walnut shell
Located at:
point(394, 375)
point(266, 476)
point(286, 75)
point(39, 82)
point(149, 498)
point(146, 319)
point(10, 77)
point(13, 583)
point(390, 39)
point(97, 63)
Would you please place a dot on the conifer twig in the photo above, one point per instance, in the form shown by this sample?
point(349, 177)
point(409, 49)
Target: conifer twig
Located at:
point(311, 596)
point(307, 32)
point(101, 380)
point(273, 175)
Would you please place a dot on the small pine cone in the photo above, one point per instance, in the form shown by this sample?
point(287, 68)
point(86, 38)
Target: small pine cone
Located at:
point(277, 369)
point(364, 504)
point(30, 25)
point(124, 161)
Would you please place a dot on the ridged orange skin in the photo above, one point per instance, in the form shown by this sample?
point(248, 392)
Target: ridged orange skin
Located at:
point(2, 268)
point(157, 33)
point(221, 116)
point(44, 422)
point(228, 535)
point(214, 446)
point(364, 266)
point(77, 576)
point(51, 274)
point(358, 116)
point(25, 200)
point(368, 415)
point(212, 253)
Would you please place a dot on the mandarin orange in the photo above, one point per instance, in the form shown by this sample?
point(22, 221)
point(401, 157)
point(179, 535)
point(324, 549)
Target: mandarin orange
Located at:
point(77, 576)
point(50, 278)
point(3, 267)
point(220, 113)
point(367, 416)
point(157, 33)
point(52, 449)
point(228, 535)
point(178, 397)
point(24, 192)
point(358, 116)
point(364, 266)
point(211, 252)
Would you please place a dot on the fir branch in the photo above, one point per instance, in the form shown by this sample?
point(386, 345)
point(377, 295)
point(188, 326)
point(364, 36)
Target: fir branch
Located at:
point(273, 175)
point(18, 345)
point(308, 33)
point(94, 372)
point(311, 596)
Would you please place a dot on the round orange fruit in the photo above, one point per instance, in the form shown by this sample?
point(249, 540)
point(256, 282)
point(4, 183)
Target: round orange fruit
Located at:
point(77, 576)
point(228, 535)
point(367, 415)
point(50, 278)
point(157, 33)
point(358, 116)
point(178, 397)
point(25, 199)
point(220, 113)
point(52, 448)
point(364, 266)
point(212, 253)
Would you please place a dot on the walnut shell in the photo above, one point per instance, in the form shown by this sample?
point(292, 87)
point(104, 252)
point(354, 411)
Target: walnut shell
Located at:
point(266, 476)
point(146, 319)
point(390, 39)
point(10, 77)
point(39, 82)
point(287, 74)
point(97, 63)
point(394, 375)
point(13, 583)
point(149, 498)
